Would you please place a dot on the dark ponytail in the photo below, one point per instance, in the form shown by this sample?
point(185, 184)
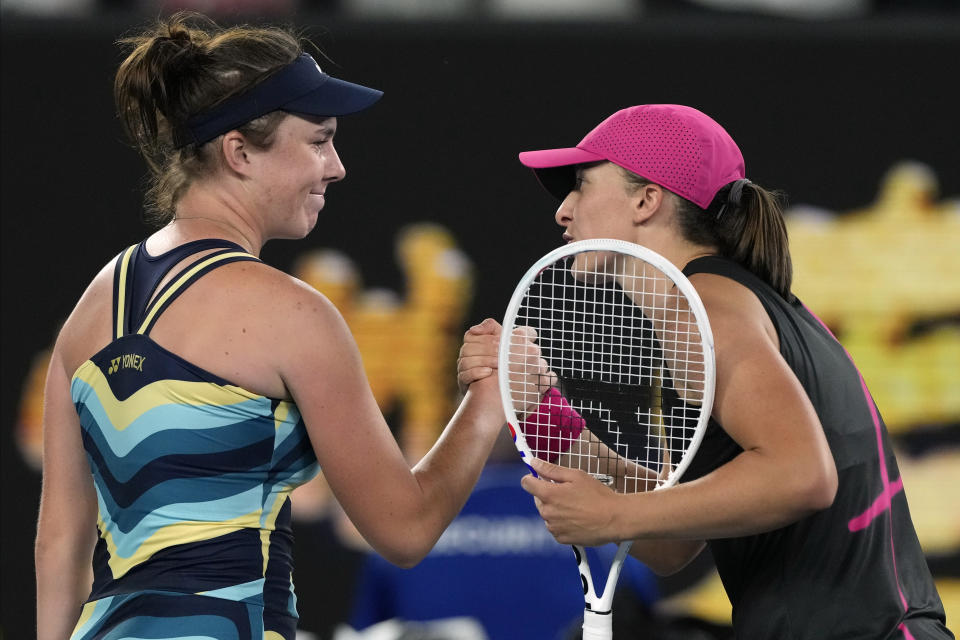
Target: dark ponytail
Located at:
point(178, 68)
point(750, 230)
point(745, 223)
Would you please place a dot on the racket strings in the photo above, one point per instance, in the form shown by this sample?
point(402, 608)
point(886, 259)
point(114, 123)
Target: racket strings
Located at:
point(621, 344)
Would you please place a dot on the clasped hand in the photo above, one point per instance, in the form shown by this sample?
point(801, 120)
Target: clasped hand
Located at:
point(576, 508)
point(478, 353)
point(530, 374)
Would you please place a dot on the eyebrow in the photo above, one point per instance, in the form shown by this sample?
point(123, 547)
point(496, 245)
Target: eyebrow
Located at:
point(326, 129)
point(581, 169)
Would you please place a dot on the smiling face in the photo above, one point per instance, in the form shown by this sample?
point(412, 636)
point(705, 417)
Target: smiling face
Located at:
point(293, 175)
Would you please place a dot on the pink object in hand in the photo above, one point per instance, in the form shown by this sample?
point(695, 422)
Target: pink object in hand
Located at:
point(550, 430)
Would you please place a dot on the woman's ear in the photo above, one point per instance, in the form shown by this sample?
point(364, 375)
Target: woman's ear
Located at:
point(647, 200)
point(233, 149)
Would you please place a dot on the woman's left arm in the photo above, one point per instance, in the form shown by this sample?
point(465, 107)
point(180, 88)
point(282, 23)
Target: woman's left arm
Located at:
point(66, 529)
point(785, 472)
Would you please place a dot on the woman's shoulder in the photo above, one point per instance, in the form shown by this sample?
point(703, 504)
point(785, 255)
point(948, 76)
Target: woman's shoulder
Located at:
point(288, 330)
point(278, 288)
point(88, 327)
point(274, 305)
point(724, 294)
point(734, 310)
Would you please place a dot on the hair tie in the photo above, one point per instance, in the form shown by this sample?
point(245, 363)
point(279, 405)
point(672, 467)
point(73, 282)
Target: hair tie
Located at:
point(734, 196)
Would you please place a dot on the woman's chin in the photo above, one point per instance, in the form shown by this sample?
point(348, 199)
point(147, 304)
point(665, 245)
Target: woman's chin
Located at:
point(309, 221)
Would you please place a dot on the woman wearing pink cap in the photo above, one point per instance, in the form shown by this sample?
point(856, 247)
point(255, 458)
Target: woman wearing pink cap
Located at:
point(795, 487)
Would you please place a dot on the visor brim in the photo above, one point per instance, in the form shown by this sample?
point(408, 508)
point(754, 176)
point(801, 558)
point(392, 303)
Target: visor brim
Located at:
point(334, 98)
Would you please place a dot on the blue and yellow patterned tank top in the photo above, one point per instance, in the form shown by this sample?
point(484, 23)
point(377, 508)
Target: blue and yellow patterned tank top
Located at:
point(192, 473)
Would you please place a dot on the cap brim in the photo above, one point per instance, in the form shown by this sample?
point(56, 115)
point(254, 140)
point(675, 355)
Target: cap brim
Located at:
point(557, 158)
point(333, 98)
point(555, 168)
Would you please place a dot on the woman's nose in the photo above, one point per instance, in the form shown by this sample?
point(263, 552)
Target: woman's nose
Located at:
point(335, 170)
point(565, 212)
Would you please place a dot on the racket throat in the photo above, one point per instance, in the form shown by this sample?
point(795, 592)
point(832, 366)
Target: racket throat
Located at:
point(598, 607)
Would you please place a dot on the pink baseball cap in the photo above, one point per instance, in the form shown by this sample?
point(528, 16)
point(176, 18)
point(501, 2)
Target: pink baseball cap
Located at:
point(677, 147)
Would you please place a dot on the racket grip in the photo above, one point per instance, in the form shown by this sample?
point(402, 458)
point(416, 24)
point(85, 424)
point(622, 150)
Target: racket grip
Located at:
point(553, 427)
point(597, 626)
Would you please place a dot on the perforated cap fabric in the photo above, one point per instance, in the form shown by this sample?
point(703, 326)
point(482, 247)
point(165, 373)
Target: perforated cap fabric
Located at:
point(677, 147)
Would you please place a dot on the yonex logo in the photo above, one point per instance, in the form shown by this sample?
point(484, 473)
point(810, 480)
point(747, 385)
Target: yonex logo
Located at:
point(126, 361)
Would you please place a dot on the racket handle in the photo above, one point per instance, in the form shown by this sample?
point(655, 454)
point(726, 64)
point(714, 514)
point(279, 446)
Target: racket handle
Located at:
point(553, 427)
point(597, 626)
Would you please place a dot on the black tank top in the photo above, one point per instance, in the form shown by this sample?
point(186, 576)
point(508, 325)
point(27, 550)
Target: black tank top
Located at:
point(856, 569)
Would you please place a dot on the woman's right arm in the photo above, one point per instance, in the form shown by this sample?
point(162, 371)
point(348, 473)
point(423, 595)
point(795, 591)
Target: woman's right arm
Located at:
point(66, 531)
point(400, 511)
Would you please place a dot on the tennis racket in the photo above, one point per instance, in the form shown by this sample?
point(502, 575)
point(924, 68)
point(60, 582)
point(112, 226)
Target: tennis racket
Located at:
point(606, 365)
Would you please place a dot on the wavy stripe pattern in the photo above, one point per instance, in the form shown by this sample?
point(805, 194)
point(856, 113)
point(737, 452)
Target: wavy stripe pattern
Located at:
point(170, 616)
point(193, 478)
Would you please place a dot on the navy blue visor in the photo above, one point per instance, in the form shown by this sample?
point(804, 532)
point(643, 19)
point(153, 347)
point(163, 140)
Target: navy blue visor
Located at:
point(299, 87)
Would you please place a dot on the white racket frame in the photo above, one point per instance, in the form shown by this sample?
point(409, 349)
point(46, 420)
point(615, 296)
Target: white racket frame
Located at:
point(598, 609)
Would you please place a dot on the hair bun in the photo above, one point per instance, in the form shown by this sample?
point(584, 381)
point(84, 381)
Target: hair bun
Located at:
point(174, 44)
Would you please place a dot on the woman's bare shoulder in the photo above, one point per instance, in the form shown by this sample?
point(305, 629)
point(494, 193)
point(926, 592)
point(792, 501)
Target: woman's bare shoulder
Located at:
point(292, 333)
point(88, 328)
point(282, 313)
point(287, 298)
point(738, 319)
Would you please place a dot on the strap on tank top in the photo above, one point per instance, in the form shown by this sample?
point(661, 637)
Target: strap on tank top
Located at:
point(728, 268)
point(127, 317)
point(122, 291)
point(717, 265)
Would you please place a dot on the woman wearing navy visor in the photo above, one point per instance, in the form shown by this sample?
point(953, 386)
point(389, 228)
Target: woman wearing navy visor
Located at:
point(193, 387)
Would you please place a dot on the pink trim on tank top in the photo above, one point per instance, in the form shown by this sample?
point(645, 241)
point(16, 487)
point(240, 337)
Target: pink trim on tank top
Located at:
point(883, 502)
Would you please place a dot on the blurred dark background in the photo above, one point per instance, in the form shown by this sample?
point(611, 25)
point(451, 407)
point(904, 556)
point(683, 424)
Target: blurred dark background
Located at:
point(823, 97)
